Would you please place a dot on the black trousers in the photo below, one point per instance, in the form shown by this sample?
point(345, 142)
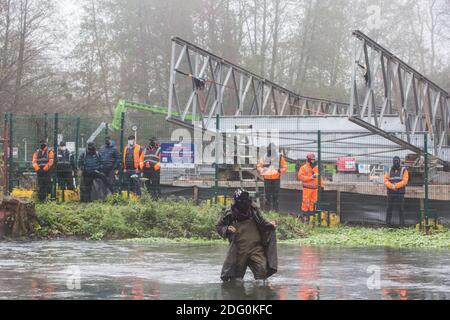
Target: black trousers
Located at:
point(87, 182)
point(271, 190)
point(44, 184)
point(132, 184)
point(395, 200)
point(110, 177)
point(65, 179)
point(153, 183)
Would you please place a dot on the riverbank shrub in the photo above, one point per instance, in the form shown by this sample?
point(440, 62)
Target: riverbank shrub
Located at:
point(119, 218)
point(180, 221)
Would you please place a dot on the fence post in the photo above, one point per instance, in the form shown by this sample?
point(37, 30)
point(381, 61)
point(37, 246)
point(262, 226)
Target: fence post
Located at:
point(196, 195)
point(5, 155)
point(45, 127)
point(319, 170)
point(77, 142)
point(55, 153)
point(216, 165)
point(77, 147)
point(338, 203)
point(122, 132)
point(10, 153)
point(425, 178)
point(106, 130)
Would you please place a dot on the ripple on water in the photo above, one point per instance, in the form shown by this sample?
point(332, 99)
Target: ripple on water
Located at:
point(133, 271)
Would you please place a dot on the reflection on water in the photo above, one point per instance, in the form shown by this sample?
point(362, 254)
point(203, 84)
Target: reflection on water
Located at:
point(308, 274)
point(249, 291)
point(111, 270)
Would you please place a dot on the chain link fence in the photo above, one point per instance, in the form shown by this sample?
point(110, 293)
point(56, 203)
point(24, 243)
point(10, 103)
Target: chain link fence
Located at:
point(353, 163)
point(23, 133)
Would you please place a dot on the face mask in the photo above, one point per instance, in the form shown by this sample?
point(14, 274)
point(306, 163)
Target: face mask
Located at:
point(131, 143)
point(108, 142)
point(312, 162)
point(243, 205)
point(397, 164)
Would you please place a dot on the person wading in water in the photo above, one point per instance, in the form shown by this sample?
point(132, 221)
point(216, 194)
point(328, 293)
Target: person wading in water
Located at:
point(252, 240)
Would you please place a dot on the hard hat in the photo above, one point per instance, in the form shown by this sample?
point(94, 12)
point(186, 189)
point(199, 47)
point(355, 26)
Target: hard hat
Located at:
point(241, 195)
point(311, 156)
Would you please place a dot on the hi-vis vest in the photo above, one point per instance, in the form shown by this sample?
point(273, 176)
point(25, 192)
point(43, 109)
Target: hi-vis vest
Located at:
point(151, 158)
point(63, 158)
point(272, 161)
point(396, 176)
point(43, 159)
point(271, 168)
point(305, 175)
point(134, 160)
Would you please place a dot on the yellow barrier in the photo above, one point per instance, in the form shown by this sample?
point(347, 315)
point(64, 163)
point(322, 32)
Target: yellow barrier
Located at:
point(22, 193)
point(222, 200)
point(432, 223)
point(334, 219)
point(69, 195)
point(133, 196)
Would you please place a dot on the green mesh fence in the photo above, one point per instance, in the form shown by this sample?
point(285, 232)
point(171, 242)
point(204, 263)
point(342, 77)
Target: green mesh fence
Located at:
point(28, 130)
point(352, 164)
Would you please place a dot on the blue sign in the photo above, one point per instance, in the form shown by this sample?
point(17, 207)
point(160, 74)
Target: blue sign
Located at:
point(177, 155)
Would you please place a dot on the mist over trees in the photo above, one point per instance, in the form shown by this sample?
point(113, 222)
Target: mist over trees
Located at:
point(122, 48)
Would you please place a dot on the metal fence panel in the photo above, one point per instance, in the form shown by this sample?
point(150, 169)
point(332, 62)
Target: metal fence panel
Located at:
point(352, 160)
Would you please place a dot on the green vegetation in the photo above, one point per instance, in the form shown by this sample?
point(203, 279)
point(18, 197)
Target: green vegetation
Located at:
point(374, 237)
point(122, 219)
point(179, 221)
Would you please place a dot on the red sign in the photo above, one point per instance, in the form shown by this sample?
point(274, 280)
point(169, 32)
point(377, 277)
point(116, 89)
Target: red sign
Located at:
point(347, 164)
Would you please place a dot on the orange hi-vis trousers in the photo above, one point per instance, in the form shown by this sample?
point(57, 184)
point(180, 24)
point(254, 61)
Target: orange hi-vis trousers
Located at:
point(310, 197)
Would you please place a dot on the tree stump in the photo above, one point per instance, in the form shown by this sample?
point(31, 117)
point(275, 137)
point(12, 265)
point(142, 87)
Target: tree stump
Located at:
point(17, 218)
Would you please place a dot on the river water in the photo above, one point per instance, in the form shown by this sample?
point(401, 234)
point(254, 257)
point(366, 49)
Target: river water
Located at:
point(114, 270)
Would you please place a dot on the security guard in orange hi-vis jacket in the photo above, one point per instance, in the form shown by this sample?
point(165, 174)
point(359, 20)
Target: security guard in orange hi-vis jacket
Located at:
point(271, 167)
point(396, 180)
point(42, 162)
point(133, 164)
point(309, 176)
point(152, 168)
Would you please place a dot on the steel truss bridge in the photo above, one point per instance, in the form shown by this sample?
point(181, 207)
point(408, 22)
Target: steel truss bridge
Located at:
point(387, 96)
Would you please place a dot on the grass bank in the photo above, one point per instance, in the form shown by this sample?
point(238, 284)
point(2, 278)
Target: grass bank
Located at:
point(374, 237)
point(342, 236)
point(171, 221)
point(122, 219)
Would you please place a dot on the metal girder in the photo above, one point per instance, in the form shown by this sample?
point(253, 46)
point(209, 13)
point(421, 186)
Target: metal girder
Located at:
point(389, 86)
point(386, 86)
point(231, 90)
point(393, 138)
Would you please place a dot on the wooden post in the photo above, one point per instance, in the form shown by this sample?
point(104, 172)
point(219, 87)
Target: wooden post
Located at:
point(421, 214)
point(17, 218)
point(338, 203)
point(195, 195)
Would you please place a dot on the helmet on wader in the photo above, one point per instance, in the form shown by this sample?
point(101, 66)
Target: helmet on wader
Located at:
point(241, 195)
